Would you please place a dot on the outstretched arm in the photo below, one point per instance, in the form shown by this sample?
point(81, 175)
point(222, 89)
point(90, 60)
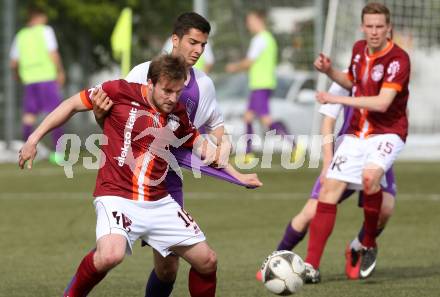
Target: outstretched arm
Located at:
point(327, 130)
point(55, 119)
point(56, 58)
point(250, 179)
point(379, 103)
point(242, 65)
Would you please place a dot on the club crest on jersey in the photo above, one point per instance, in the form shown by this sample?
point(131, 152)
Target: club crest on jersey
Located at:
point(357, 58)
point(377, 72)
point(173, 122)
point(392, 70)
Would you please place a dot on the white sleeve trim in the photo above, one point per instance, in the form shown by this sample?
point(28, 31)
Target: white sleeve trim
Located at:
point(13, 54)
point(256, 48)
point(208, 113)
point(51, 40)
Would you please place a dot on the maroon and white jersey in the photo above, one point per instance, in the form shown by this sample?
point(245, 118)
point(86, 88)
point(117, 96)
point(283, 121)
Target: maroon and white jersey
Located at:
point(139, 137)
point(388, 68)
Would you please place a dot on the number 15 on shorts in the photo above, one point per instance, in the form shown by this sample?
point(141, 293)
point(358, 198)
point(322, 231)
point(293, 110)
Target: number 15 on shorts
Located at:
point(188, 220)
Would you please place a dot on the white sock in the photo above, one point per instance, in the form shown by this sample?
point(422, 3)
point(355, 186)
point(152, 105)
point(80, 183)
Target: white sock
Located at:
point(356, 244)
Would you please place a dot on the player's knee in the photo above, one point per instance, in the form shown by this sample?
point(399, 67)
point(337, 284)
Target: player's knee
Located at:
point(248, 117)
point(370, 186)
point(267, 121)
point(167, 272)
point(29, 119)
point(327, 194)
point(110, 259)
point(209, 263)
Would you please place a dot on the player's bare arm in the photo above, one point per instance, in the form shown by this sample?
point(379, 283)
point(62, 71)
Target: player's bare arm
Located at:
point(55, 119)
point(56, 58)
point(379, 103)
point(14, 68)
point(250, 179)
point(327, 128)
point(324, 65)
point(242, 65)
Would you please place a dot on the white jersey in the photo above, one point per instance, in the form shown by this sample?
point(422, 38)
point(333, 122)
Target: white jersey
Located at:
point(198, 96)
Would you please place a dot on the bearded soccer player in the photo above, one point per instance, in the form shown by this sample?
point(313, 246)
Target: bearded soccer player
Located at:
point(189, 38)
point(378, 77)
point(131, 198)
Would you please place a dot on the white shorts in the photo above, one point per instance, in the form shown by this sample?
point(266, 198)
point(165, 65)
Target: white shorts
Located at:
point(162, 223)
point(353, 154)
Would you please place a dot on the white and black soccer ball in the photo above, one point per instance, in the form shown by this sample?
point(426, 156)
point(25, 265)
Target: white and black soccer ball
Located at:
point(283, 273)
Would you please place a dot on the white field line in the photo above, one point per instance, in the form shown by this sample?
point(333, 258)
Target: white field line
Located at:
point(207, 195)
point(78, 170)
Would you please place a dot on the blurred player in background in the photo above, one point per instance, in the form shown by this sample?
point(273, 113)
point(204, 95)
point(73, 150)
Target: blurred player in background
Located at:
point(190, 36)
point(378, 77)
point(36, 62)
point(297, 228)
point(260, 62)
point(132, 200)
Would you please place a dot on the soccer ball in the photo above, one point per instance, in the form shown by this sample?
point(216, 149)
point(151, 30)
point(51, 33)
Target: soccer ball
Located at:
point(283, 273)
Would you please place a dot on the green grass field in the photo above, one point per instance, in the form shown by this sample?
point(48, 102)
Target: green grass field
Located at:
point(47, 224)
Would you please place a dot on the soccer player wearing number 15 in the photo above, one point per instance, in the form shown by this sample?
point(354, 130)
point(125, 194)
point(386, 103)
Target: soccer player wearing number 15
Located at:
point(132, 200)
point(378, 77)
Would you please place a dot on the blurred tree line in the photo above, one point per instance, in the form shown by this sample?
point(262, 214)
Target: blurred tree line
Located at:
point(83, 28)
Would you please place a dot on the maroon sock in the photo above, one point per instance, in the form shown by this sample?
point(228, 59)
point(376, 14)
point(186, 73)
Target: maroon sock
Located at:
point(202, 285)
point(85, 279)
point(320, 229)
point(372, 205)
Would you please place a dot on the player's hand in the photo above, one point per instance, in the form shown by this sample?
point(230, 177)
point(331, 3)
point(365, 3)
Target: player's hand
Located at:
point(324, 97)
point(251, 180)
point(323, 63)
point(209, 153)
point(231, 68)
point(27, 154)
point(222, 154)
point(101, 103)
